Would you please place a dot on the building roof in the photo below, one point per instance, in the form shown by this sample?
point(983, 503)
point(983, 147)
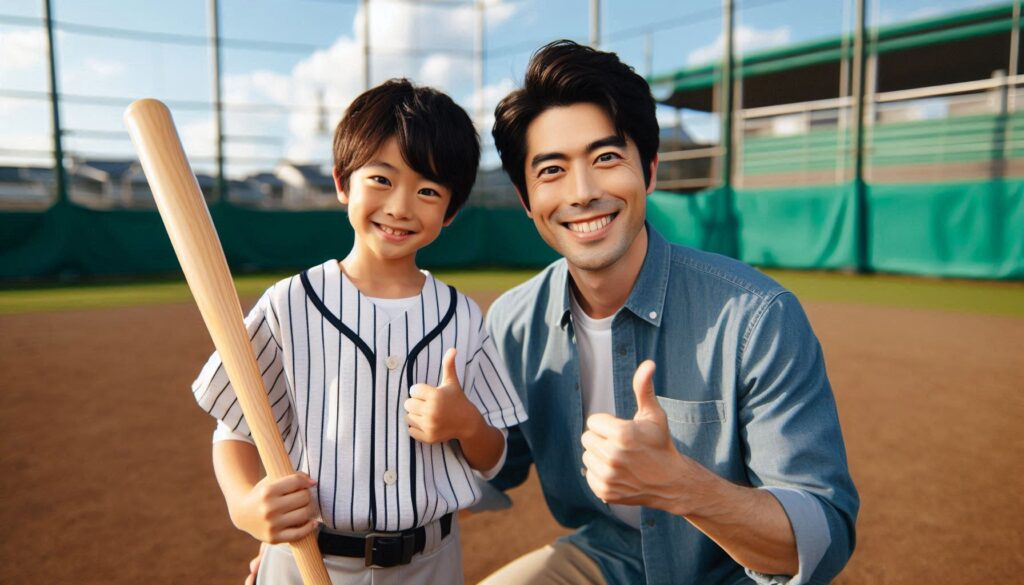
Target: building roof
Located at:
point(313, 174)
point(114, 169)
point(962, 46)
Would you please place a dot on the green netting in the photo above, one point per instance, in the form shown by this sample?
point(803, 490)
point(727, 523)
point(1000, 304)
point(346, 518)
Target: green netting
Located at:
point(968, 229)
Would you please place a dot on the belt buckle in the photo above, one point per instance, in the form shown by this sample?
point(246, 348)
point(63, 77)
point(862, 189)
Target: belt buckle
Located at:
point(389, 549)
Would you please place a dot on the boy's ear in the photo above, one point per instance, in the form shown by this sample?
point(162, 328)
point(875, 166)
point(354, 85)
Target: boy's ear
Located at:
point(342, 197)
point(522, 201)
point(449, 221)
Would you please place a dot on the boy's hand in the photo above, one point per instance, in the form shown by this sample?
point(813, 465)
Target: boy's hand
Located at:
point(443, 413)
point(277, 511)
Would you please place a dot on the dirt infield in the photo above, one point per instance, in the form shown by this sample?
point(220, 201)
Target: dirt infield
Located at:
point(105, 475)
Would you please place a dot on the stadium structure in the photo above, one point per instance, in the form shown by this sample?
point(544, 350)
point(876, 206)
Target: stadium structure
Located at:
point(889, 149)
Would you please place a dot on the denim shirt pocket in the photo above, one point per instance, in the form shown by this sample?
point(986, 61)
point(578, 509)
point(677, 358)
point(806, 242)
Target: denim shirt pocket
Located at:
point(695, 425)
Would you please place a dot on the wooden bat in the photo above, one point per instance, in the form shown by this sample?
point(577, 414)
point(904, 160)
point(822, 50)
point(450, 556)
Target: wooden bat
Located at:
point(202, 260)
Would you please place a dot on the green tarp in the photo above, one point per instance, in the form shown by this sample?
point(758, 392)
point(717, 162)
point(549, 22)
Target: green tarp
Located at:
point(969, 229)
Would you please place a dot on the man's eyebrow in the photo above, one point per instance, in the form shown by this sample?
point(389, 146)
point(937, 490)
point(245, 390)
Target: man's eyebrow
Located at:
point(612, 140)
point(546, 156)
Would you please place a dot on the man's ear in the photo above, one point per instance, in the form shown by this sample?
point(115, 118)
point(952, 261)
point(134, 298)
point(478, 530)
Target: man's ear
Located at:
point(522, 201)
point(342, 197)
point(653, 183)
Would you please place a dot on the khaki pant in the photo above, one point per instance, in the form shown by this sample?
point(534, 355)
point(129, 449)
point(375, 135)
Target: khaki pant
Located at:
point(560, 563)
point(440, 563)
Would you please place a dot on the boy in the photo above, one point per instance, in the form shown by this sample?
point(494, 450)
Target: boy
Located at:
point(362, 361)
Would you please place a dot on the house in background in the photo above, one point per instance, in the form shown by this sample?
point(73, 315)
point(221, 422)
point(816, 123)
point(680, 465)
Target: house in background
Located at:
point(306, 186)
point(106, 184)
point(25, 188)
point(269, 187)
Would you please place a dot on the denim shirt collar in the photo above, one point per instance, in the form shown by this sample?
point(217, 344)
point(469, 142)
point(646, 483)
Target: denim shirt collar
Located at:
point(647, 298)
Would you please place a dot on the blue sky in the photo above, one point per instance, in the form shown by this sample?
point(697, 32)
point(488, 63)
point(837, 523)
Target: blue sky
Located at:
point(325, 66)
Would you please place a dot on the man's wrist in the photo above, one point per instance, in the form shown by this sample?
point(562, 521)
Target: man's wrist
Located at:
point(696, 492)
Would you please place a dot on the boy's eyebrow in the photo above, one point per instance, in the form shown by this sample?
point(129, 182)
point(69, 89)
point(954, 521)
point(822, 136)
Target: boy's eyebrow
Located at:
point(380, 163)
point(612, 140)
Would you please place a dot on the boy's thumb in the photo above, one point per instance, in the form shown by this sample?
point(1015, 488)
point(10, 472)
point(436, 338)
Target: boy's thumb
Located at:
point(450, 373)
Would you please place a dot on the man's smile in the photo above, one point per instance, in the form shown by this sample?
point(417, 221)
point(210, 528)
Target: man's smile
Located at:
point(591, 225)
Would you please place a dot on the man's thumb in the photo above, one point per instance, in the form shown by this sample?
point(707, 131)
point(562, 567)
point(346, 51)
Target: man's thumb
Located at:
point(450, 374)
point(643, 388)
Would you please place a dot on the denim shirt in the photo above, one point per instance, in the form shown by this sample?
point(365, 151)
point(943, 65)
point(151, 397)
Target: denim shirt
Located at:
point(742, 380)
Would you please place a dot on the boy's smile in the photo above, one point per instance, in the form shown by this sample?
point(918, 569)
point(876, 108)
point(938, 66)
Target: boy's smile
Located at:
point(393, 209)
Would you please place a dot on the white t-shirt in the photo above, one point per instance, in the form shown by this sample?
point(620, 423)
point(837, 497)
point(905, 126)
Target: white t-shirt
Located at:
point(594, 343)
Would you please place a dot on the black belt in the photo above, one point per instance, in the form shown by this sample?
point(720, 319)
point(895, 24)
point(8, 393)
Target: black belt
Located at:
point(382, 549)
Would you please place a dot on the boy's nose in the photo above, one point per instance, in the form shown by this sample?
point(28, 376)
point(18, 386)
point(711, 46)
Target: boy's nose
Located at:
point(397, 205)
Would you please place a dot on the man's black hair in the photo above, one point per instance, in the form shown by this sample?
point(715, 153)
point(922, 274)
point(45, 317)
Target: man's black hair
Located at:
point(564, 73)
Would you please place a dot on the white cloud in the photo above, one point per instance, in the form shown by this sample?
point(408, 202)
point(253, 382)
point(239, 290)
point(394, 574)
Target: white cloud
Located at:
point(745, 39)
point(22, 49)
point(103, 69)
point(324, 83)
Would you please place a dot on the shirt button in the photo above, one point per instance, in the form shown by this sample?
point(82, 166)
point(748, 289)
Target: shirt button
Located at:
point(653, 314)
point(391, 362)
point(583, 471)
point(649, 523)
point(390, 477)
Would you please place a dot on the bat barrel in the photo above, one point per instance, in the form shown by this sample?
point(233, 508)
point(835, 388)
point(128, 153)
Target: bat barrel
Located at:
point(199, 252)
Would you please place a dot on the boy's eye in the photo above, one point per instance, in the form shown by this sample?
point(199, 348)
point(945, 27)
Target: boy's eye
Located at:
point(608, 157)
point(429, 192)
point(381, 180)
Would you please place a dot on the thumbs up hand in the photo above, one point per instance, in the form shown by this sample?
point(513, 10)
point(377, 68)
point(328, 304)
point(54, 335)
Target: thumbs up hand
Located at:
point(633, 461)
point(442, 413)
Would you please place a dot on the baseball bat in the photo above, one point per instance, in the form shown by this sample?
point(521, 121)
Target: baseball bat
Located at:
point(195, 242)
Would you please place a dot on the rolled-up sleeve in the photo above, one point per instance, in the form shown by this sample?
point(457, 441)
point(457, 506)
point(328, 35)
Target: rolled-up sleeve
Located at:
point(793, 442)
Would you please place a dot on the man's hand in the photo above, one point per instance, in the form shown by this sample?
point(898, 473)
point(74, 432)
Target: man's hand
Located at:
point(277, 511)
point(634, 461)
point(443, 413)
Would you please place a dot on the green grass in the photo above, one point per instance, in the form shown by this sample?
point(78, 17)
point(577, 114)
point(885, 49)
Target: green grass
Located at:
point(127, 294)
point(994, 298)
point(983, 297)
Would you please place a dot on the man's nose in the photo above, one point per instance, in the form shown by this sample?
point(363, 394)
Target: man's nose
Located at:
point(586, 188)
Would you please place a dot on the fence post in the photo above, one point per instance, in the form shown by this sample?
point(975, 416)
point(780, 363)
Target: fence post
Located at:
point(731, 226)
point(220, 191)
point(58, 149)
point(860, 190)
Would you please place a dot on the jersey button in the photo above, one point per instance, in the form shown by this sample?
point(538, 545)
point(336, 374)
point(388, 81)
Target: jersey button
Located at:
point(391, 362)
point(390, 477)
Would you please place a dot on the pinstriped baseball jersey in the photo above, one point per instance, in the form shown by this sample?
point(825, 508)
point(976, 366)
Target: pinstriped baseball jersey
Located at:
point(337, 372)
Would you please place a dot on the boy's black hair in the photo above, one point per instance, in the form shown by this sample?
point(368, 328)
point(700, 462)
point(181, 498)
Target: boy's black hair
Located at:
point(563, 73)
point(436, 137)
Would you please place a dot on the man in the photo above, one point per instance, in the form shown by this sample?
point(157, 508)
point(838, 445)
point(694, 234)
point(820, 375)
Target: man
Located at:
point(680, 416)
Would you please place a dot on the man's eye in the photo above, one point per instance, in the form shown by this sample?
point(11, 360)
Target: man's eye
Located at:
point(608, 157)
point(552, 170)
point(380, 180)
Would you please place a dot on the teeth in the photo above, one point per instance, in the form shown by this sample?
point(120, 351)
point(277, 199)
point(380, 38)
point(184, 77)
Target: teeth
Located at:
point(392, 231)
point(584, 227)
